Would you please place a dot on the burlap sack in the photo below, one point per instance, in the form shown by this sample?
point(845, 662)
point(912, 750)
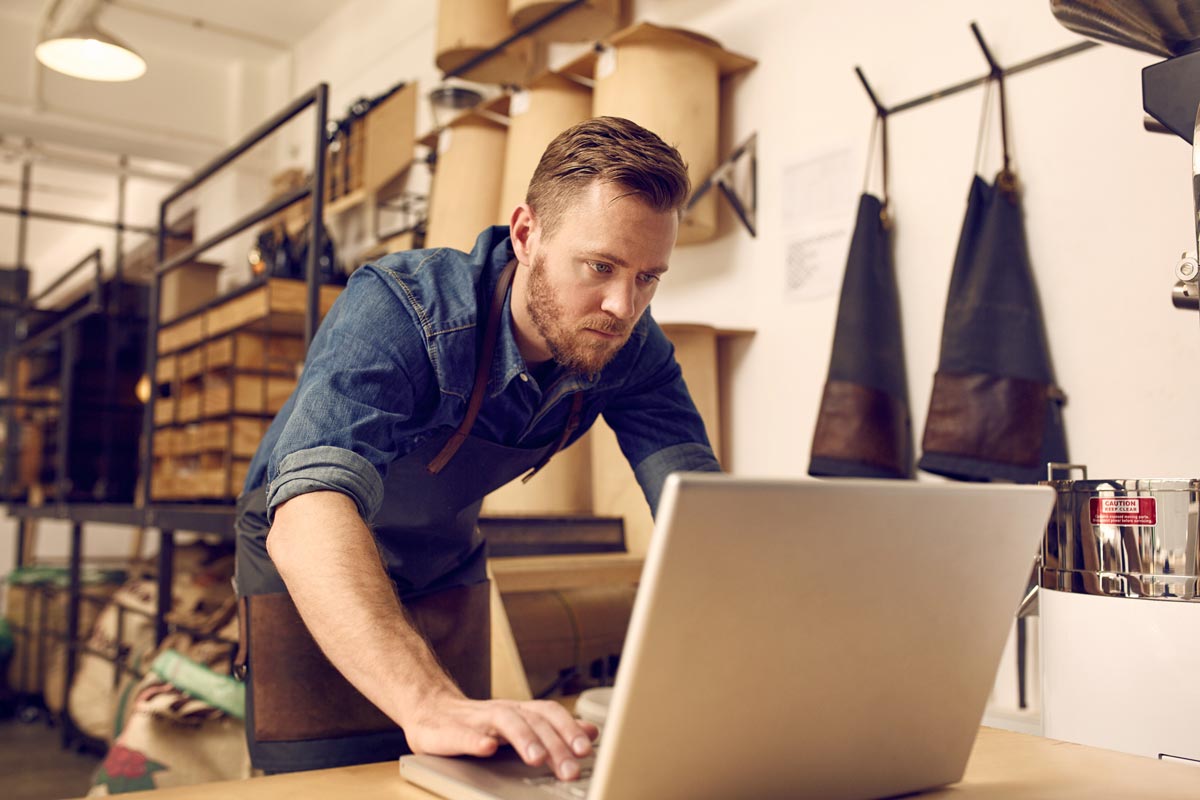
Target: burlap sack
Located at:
point(37, 615)
point(94, 693)
point(202, 600)
point(93, 599)
point(169, 738)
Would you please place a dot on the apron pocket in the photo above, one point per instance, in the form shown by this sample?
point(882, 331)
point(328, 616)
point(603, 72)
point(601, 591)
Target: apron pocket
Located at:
point(299, 695)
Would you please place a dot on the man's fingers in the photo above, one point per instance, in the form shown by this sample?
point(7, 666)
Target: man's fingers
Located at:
point(510, 724)
point(561, 758)
point(568, 729)
point(540, 732)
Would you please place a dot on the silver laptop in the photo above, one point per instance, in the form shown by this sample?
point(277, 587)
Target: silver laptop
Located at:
point(799, 639)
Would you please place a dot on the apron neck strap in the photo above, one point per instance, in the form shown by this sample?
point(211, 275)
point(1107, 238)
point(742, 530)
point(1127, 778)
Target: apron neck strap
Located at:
point(486, 351)
point(572, 426)
point(879, 125)
point(1006, 179)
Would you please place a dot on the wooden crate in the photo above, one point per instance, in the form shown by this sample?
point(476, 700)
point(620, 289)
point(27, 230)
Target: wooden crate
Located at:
point(237, 475)
point(189, 402)
point(190, 364)
point(245, 394)
point(198, 478)
point(164, 411)
point(390, 137)
point(164, 479)
point(276, 306)
point(168, 442)
point(214, 436)
point(165, 369)
point(249, 351)
point(179, 335)
point(186, 288)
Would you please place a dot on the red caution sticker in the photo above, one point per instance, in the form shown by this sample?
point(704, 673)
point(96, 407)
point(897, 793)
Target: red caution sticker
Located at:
point(1124, 511)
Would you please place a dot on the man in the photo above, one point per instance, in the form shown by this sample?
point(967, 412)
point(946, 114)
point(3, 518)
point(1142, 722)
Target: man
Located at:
point(432, 382)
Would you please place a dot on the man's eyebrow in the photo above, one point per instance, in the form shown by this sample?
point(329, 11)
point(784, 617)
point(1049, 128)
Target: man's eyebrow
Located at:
point(609, 258)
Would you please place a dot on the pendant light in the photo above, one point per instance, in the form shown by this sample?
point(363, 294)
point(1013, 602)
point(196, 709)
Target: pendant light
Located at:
point(73, 44)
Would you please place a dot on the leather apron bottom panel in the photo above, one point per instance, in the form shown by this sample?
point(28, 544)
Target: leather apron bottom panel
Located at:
point(301, 713)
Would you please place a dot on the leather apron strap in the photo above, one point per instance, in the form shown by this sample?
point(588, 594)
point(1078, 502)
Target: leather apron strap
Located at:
point(482, 370)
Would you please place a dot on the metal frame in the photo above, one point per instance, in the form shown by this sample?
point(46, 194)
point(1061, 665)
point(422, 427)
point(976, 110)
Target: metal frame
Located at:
point(995, 71)
point(722, 177)
point(318, 97)
point(516, 36)
point(167, 518)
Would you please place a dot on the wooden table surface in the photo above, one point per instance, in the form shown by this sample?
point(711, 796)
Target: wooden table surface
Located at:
point(1003, 765)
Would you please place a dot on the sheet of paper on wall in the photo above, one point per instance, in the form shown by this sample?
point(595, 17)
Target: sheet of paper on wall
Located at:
point(819, 193)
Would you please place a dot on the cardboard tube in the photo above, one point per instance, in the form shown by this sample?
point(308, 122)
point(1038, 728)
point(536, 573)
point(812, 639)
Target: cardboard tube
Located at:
point(592, 20)
point(672, 89)
point(466, 182)
point(550, 106)
point(467, 28)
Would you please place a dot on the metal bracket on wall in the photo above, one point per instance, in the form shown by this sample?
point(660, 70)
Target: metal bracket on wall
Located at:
point(726, 177)
point(995, 71)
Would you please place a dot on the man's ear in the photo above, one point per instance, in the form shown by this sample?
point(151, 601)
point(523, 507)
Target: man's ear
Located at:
point(523, 230)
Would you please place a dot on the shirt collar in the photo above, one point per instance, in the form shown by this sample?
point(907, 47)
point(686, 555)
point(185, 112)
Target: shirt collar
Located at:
point(508, 364)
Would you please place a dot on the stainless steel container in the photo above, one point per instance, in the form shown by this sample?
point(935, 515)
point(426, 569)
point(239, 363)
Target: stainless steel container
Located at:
point(1116, 672)
point(1123, 538)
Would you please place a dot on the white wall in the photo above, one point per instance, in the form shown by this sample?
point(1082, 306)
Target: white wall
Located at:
point(1107, 209)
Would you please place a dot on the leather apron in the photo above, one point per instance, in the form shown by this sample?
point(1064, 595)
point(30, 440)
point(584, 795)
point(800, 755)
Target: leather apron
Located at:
point(864, 429)
point(301, 714)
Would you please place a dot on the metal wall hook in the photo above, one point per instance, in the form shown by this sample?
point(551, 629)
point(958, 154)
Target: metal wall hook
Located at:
point(723, 177)
point(879, 107)
point(997, 70)
point(881, 112)
point(996, 73)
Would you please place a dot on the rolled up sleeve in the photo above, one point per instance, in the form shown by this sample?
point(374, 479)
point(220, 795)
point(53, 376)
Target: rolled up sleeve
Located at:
point(363, 380)
point(327, 468)
point(652, 473)
point(656, 423)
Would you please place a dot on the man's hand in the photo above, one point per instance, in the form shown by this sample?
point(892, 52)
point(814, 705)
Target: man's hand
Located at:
point(328, 559)
point(541, 731)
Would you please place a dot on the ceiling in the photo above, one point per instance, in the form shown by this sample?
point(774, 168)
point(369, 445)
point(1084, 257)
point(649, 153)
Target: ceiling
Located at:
point(59, 113)
point(258, 29)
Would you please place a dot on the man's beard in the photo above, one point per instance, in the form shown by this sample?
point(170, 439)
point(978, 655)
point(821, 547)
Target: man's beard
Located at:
point(572, 348)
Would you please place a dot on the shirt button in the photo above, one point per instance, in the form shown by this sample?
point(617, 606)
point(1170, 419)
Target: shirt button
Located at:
point(524, 377)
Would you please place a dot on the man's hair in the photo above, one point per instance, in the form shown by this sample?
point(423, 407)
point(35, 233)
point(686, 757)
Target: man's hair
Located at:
point(608, 150)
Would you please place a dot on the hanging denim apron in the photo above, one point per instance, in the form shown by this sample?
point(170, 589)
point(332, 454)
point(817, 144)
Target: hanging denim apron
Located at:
point(995, 412)
point(301, 713)
point(863, 427)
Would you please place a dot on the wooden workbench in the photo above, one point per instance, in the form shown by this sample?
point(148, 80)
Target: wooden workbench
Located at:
point(1002, 765)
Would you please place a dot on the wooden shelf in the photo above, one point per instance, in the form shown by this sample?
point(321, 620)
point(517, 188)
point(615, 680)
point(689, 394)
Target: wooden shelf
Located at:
point(544, 573)
point(276, 305)
point(345, 203)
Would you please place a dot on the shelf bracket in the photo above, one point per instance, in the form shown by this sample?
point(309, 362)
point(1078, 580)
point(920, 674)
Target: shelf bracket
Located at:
point(737, 178)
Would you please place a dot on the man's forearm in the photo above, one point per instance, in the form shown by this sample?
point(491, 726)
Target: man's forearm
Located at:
point(327, 557)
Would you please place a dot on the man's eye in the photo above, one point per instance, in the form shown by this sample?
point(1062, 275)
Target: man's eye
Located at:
point(599, 267)
point(648, 278)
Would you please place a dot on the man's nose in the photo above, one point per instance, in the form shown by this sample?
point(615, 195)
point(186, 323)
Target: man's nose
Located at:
point(619, 299)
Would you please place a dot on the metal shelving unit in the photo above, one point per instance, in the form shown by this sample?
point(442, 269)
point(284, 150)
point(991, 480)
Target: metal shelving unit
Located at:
point(169, 518)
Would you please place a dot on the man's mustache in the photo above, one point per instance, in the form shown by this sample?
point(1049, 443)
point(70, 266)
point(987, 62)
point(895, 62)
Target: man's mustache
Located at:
point(606, 325)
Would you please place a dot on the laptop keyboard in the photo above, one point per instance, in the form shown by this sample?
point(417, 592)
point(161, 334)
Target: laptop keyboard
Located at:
point(569, 790)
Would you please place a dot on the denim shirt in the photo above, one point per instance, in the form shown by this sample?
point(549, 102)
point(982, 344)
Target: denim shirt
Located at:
point(394, 362)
